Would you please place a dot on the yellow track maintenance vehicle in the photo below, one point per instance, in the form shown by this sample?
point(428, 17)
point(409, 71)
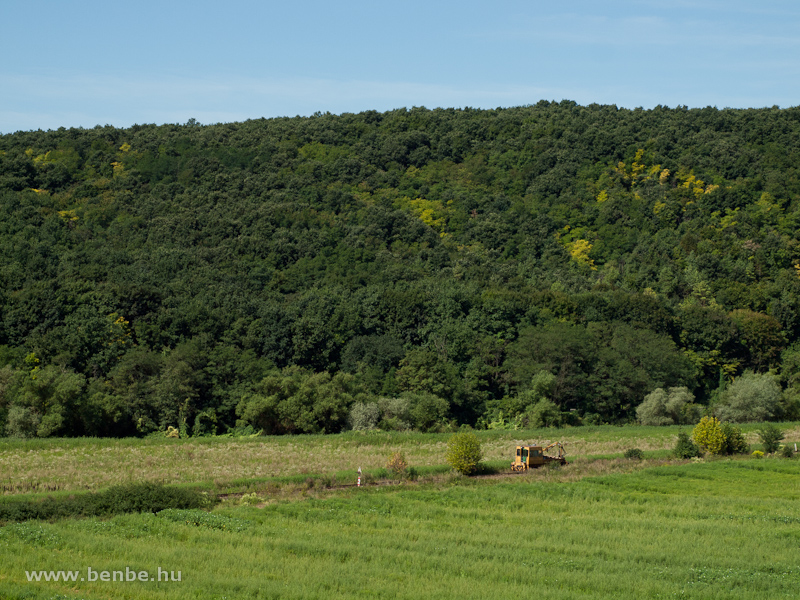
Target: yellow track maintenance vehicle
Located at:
point(531, 457)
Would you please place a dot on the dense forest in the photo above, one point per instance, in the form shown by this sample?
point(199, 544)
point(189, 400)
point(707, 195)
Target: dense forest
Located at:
point(548, 264)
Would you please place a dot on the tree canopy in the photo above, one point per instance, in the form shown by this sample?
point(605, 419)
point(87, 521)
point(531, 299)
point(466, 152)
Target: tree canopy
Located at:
point(277, 272)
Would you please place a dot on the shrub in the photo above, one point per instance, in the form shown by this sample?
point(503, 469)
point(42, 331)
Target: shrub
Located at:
point(708, 435)
point(750, 398)
point(685, 447)
point(734, 440)
point(668, 407)
point(719, 438)
point(464, 452)
point(770, 436)
point(248, 499)
point(397, 465)
point(758, 454)
point(787, 451)
point(634, 454)
point(139, 497)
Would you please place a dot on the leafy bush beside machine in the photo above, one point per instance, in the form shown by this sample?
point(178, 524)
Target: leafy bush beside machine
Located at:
point(531, 457)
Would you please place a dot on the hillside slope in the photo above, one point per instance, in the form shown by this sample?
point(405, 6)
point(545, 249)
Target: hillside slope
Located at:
point(456, 263)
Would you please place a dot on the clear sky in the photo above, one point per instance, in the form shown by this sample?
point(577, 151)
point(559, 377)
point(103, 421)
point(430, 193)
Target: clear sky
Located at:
point(83, 63)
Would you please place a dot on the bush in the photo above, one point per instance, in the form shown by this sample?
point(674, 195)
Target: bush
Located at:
point(634, 454)
point(770, 436)
point(397, 465)
point(668, 407)
point(464, 452)
point(758, 454)
point(685, 447)
point(750, 398)
point(787, 451)
point(708, 435)
point(719, 438)
point(139, 497)
point(734, 440)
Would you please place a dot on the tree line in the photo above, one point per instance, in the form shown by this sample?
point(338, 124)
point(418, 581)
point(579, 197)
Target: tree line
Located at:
point(547, 264)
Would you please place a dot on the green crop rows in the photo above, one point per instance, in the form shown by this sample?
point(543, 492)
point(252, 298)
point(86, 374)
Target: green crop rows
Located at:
point(720, 529)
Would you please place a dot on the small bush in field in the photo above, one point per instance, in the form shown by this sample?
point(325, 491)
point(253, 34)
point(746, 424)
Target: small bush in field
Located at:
point(685, 447)
point(787, 451)
point(770, 436)
point(758, 454)
point(708, 435)
point(719, 438)
point(634, 454)
point(734, 440)
point(464, 452)
point(397, 465)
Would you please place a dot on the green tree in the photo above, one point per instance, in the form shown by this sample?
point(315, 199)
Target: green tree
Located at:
point(299, 401)
point(751, 397)
point(46, 402)
point(427, 411)
point(668, 407)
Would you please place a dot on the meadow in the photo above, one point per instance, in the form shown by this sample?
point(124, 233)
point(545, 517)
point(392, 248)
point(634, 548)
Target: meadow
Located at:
point(597, 528)
point(70, 464)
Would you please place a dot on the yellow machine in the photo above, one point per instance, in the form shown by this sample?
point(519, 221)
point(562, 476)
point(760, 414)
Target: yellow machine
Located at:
point(531, 457)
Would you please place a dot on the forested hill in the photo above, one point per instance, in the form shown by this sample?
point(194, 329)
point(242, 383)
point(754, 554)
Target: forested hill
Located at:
point(409, 268)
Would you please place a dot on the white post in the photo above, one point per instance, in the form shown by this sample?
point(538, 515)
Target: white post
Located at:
point(359, 476)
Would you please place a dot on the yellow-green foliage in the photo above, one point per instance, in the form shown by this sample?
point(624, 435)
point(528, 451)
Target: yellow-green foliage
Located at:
point(431, 212)
point(708, 435)
point(579, 251)
point(464, 452)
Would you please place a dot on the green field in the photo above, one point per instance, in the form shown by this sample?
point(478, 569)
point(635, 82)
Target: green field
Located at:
point(726, 528)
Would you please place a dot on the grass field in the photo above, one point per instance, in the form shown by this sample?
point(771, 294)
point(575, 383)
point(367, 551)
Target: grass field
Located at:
point(725, 528)
point(90, 464)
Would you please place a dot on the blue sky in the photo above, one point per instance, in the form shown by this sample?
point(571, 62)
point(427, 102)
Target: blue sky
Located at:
point(84, 63)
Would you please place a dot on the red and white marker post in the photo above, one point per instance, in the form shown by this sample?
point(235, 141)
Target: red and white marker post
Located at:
point(359, 476)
